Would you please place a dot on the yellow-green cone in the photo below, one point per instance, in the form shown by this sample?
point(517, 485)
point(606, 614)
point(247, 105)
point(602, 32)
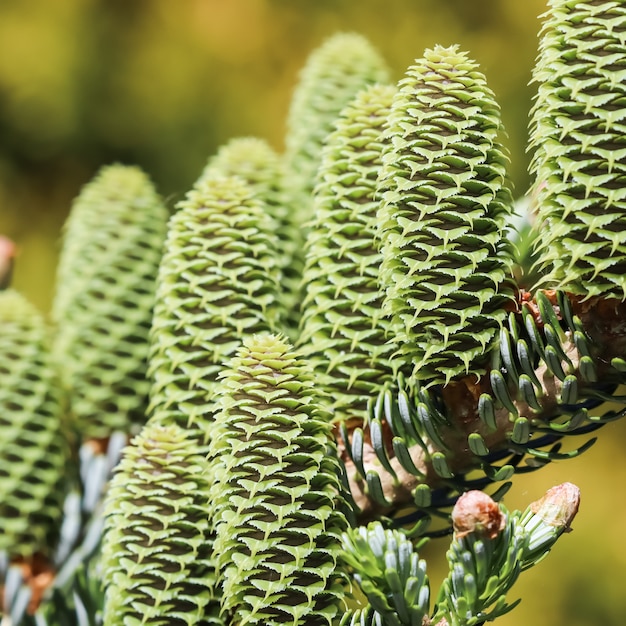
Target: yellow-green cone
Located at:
point(334, 73)
point(344, 336)
point(578, 134)
point(218, 282)
point(277, 503)
point(156, 555)
point(34, 445)
point(105, 291)
point(263, 169)
point(446, 262)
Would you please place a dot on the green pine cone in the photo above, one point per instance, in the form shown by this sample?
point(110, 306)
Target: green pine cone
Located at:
point(263, 169)
point(105, 294)
point(343, 335)
point(446, 262)
point(156, 553)
point(259, 165)
point(34, 447)
point(279, 528)
point(218, 282)
point(578, 133)
point(334, 73)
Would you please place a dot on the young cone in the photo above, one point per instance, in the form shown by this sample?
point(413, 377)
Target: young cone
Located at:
point(103, 304)
point(343, 334)
point(263, 169)
point(446, 265)
point(34, 446)
point(334, 73)
point(278, 499)
point(156, 554)
point(218, 281)
point(578, 133)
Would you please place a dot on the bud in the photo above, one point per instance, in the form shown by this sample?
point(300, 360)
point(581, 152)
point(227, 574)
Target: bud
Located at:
point(547, 519)
point(476, 512)
point(7, 255)
point(559, 506)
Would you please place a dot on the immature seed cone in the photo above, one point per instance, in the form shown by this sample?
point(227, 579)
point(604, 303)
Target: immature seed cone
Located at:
point(578, 133)
point(476, 512)
point(34, 446)
point(263, 169)
point(334, 73)
point(343, 334)
point(156, 553)
point(112, 246)
point(277, 501)
point(445, 264)
point(256, 162)
point(218, 282)
point(546, 519)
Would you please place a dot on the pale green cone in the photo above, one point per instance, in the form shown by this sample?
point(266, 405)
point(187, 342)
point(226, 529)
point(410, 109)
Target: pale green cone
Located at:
point(446, 263)
point(578, 134)
point(156, 556)
point(277, 503)
point(218, 281)
point(342, 331)
point(256, 162)
point(34, 444)
point(263, 169)
point(102, 309)
point(333, 74)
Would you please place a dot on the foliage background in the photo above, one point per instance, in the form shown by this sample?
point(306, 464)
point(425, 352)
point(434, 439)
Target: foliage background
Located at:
point(162, 83)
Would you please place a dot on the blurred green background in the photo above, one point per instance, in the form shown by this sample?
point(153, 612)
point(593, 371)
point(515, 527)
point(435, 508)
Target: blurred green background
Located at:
point(162, 83)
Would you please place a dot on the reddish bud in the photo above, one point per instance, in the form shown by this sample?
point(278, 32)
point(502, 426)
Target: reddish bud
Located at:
point(7, 254)
point(559, 506)
point(476, 512)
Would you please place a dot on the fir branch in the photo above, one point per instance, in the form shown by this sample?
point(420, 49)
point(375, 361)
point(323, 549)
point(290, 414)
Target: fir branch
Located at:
point(386, 566)
point(491, 547)
point(517, 433)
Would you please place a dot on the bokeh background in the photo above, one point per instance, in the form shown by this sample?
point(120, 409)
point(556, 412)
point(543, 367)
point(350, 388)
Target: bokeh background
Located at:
point(162, 83)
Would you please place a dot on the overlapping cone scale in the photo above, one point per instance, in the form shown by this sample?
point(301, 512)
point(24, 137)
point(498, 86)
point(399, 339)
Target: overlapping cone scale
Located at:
point(156, 556)
point(256, 162)
point(333, 74)
point(218, 281)
point(342, 332)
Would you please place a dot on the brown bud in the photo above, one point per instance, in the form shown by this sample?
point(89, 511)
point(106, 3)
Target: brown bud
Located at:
point(426, 621)
point(559, 506)
point(7, 255)
point(476, 512)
